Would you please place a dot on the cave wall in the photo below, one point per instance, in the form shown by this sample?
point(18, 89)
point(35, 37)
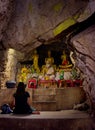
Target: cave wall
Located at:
point(34, 22)
point(84, 44)
point(8, 69)
point(2, 68)
point(6, 9)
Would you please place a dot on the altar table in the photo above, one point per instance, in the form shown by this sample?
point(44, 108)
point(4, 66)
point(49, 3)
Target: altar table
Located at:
point(33, 83)
point(47, 83)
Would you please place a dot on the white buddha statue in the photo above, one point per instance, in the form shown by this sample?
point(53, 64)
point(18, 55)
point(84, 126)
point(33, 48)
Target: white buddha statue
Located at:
point(72, 58)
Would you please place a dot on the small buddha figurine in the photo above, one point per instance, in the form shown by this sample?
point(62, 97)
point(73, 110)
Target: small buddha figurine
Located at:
point(35, 58)
point(23, 74)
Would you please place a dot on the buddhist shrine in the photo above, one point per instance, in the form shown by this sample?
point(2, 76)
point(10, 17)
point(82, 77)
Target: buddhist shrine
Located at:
point(50, 47)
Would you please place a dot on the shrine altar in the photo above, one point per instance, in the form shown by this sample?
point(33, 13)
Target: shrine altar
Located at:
point(33, 83)
point(73, 83)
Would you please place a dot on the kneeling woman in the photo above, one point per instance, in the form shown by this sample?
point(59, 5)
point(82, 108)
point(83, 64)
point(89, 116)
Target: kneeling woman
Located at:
point(21, 101)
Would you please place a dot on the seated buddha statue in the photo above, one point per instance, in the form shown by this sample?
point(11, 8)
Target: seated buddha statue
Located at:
point(48, 70)
point(35, 58)
point(65, 63)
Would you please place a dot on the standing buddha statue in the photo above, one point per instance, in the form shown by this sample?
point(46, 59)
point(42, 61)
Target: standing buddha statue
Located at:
point(35, 58)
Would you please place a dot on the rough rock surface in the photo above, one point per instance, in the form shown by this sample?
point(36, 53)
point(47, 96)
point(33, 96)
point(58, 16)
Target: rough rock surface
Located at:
point(33, 22)
point(2, 67)
point(6, 8)
point(85, 51)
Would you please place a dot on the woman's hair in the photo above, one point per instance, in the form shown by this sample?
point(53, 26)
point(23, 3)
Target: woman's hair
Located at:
point(20, 88)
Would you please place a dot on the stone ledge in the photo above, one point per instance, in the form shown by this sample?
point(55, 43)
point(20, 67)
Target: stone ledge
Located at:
point(62, 120)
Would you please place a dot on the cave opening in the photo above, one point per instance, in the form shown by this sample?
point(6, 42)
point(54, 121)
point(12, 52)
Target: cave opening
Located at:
point(62, 42)
point(48, 91)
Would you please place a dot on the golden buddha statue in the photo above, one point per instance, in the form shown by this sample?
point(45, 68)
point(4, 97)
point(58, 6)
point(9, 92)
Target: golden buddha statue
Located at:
point(64, 59)
point(35, 58)
point(49, 58)
point(48, 69)
point(65, 62)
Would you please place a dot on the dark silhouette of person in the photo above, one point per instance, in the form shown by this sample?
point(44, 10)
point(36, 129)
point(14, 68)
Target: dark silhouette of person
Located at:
point(21, 101)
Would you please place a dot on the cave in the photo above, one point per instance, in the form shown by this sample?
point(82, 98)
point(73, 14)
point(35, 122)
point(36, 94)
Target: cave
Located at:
point(56, 45)
point(40, 26)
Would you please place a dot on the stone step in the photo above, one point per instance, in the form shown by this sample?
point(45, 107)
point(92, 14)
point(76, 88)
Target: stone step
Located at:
point(45, 105)
point(44, 91)
point(43, 97)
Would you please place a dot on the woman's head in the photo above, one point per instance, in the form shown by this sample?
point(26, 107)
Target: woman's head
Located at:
point(21, 87)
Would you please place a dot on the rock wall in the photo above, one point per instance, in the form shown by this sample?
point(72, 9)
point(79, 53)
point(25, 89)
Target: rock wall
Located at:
point(36, 21)
point(6, 9)
point(8, 69)
point(12, 63)
point(85, 52)
point(2, 68)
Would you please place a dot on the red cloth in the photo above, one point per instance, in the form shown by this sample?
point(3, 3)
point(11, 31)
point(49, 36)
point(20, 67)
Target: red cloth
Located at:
point(69, 83)
point(32, 83)
point(65, 62)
